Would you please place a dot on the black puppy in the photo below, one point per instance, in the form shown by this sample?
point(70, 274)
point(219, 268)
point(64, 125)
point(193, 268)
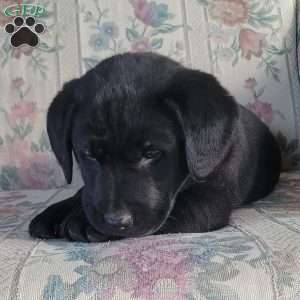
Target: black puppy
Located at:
point(161, 149)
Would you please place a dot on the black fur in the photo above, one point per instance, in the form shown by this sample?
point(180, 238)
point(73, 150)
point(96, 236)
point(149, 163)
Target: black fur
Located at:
point(161, 148)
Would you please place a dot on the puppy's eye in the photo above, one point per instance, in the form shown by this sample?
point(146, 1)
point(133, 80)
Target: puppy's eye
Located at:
point(150, 152)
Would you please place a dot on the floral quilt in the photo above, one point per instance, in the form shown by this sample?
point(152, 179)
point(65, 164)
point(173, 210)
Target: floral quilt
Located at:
point(256, 257)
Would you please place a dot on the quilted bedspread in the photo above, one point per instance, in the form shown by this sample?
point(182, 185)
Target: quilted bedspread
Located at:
point(256, 257)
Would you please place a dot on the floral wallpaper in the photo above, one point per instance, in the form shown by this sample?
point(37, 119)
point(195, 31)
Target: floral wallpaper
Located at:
point(147, 26)
point(251, 41)
point(241, 29)
point(249, 45)
point(26, 160)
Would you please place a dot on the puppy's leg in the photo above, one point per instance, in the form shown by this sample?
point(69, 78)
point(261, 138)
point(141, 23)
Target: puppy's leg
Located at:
point(46, 224)
point(65, 219)
point(199, 210)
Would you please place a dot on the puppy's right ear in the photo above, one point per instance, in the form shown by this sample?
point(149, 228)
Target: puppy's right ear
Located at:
point(59, 127)
point(208, 116)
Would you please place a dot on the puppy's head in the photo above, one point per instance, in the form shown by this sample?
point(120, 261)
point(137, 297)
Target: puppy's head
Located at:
point(139, 124)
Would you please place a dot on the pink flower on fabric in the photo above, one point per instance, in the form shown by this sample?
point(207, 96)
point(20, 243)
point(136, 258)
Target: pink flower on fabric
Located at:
point(36, 170)
point(21, 111)
point(18, 150)
point(142, 10)
point(263, 110)
point(150, 13)
point(229, 12)
point(141, 45)
point(158, 270)
point(251, 43)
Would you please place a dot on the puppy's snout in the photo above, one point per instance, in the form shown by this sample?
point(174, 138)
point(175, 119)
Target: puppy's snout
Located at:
point(118, 220)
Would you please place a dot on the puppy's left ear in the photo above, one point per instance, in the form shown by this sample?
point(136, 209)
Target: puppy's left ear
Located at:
point(208, 116)
point(59, 127)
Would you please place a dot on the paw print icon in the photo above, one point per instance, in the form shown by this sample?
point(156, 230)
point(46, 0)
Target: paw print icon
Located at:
point(24, 31)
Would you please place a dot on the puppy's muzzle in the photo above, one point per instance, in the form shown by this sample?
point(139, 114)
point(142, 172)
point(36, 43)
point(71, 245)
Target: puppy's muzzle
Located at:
point(118, 220)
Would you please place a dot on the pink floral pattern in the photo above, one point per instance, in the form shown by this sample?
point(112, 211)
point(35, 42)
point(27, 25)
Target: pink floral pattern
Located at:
point(150, 24)
point(262, 109)
point(252, 43)
point(38, 171)
point(27, 165)
point(152, 268)
point(21, 112)
point(162, 267)
point(229, 12)
point(245, 31)
point(154, 264)
point(26, 160)
point(184, 266)
point(143, 10)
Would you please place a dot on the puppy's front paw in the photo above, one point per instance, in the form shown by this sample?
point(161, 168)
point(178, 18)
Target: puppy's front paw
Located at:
point(75, 227)
point(60, 222)
point(43, 228)
point(46, 225)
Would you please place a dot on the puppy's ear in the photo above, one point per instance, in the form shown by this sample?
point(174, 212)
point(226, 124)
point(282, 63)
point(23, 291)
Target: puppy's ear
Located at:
point(59, 127)
point(208, 117)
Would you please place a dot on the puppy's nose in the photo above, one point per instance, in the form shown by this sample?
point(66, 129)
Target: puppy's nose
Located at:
point(120, 220)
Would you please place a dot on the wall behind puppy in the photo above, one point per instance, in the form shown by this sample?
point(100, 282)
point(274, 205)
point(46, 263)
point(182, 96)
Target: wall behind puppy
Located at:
point(249, 45)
